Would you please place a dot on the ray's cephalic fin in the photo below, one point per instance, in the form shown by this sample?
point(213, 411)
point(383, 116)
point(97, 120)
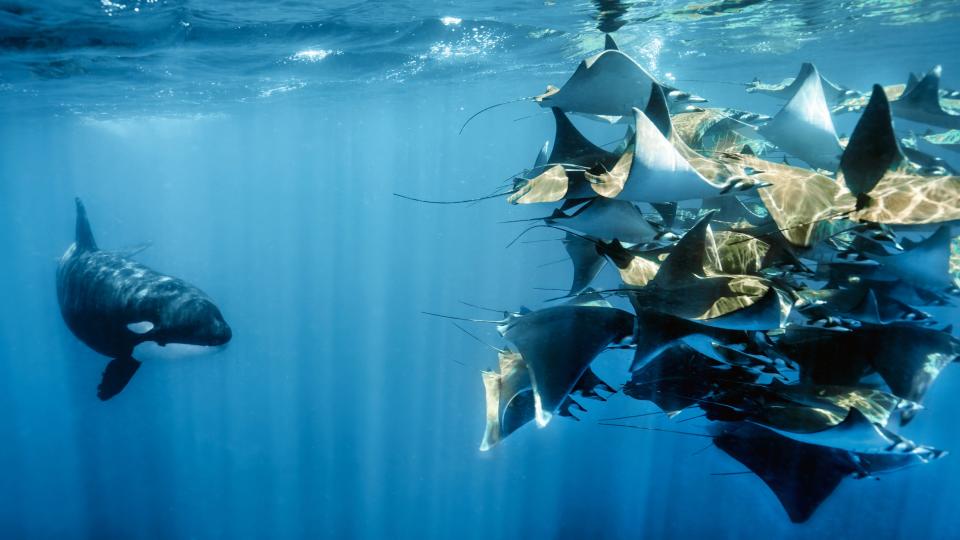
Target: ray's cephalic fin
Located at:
point(84, 240)
point(873, 148)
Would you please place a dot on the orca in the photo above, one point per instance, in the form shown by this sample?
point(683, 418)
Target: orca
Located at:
point(120, 308)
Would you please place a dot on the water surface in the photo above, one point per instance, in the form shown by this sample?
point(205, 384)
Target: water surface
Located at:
point(257, 145)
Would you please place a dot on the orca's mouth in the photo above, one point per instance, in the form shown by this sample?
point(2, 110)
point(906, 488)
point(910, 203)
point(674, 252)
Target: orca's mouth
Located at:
point(220, 335)
point(149, 350)
point(204, 348)
point(216, 337)
point(206, 343)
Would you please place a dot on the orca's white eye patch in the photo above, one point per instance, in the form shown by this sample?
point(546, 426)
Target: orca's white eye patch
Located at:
point(141, 327)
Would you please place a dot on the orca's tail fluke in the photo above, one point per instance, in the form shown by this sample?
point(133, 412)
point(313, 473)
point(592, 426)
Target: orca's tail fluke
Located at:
point(116, 376)
point(85, 241)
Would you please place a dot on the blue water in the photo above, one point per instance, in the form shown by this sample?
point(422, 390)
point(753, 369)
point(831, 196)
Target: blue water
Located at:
point(257, 146)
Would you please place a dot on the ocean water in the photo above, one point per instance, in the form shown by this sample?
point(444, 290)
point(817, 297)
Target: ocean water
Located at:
point(257, 146)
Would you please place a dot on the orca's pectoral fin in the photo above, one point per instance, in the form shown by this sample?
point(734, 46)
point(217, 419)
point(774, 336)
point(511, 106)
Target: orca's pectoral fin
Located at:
point(116, 376)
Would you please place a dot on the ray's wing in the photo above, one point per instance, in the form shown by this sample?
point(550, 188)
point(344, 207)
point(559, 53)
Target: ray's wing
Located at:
point(804, 127)
point(559, 343)
point(802, 476)
point(587, 262)
point(873, 148)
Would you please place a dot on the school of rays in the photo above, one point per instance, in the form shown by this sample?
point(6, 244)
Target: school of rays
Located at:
point(788, 303)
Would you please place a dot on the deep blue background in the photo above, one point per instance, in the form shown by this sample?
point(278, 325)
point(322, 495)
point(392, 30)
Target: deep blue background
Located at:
point(339, 410)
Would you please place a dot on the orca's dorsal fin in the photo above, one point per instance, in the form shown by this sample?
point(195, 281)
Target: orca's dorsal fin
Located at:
point(658, 111)
point(926, 93)
point(609, 44)
point(689, 254)
point(84, 239)
point(873, 147)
